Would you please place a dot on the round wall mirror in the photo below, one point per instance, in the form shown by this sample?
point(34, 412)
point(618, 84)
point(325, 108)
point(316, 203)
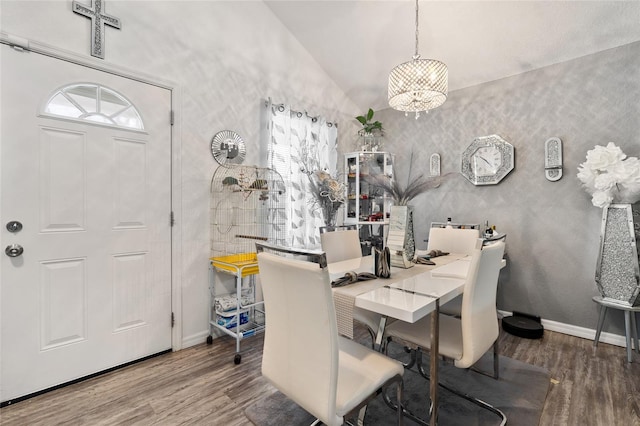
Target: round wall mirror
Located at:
point(228, 147)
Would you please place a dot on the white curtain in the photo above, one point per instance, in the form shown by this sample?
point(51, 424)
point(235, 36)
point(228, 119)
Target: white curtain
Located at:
point(298, 145)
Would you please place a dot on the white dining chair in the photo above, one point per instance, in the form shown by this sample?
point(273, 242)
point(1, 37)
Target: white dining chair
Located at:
point(343, 245)
point(328, 375)
point(452, 240)
point(466, 339)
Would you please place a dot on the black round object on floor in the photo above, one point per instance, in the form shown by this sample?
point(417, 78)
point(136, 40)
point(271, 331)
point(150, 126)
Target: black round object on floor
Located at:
point(523, 325)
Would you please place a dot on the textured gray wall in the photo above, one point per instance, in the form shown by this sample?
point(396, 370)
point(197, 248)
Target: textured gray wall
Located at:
point(552, 228)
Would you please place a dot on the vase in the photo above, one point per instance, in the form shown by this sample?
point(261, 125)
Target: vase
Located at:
point(370, 141)
point(401, 240)
point(618, 267)
point(330, 217)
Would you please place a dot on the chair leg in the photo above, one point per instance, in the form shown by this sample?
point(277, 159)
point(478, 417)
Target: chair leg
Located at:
point(496, 364)
point(403, 412)
point(637, 315)
point(496, 361)
point(361, 414)
point(399, 401)
point(373, 337)
point(478, 402)
point(601, 316)
point(627, 332)
point(634, 331)
point(420, 366)
point(412, 352)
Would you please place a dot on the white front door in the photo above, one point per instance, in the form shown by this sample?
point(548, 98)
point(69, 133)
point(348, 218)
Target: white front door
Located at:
point(92, 288)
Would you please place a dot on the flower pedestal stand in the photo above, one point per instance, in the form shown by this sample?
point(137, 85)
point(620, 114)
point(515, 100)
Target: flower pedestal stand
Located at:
point(618, 270)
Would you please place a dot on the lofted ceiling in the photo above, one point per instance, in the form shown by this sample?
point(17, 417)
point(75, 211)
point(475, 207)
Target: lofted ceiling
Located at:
point(358, 42)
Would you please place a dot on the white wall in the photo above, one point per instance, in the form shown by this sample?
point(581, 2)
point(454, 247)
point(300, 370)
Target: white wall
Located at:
point(226, 57)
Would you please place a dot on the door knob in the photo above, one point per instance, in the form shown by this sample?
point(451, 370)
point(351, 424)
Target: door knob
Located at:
point(13, 250)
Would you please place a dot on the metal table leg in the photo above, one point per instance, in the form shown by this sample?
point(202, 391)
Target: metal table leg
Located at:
point(435, 354)
point(379, 334)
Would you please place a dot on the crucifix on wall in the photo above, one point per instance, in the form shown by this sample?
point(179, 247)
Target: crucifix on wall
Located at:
point(98, 20)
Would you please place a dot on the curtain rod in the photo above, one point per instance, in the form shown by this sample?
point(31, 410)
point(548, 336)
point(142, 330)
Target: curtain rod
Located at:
point(281, 107)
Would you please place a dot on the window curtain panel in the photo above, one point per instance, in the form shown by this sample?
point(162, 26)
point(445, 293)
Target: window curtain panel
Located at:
point(299, 145)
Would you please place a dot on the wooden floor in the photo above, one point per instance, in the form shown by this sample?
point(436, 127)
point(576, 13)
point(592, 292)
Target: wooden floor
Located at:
point(202, 386)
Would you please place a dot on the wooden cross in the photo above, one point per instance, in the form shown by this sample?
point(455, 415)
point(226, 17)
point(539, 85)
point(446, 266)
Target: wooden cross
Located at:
point(98, 21)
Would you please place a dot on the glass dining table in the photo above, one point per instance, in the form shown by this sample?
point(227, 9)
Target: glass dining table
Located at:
point(408, 295)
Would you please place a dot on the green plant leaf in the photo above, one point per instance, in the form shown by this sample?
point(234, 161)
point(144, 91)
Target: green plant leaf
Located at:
point(361, 119)
point(370, 114)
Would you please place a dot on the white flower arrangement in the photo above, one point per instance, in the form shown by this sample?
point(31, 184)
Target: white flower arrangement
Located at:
point(328, 193)
point(610, 176)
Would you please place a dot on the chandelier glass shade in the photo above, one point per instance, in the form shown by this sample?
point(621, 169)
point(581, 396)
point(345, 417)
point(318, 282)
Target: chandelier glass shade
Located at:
point(418, 85)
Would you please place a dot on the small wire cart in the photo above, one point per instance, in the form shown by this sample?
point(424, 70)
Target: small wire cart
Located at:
point(238, 315)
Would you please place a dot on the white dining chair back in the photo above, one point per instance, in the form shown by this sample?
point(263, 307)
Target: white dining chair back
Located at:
point(328, 375)
point(479, 319)
point(341, 245)
point(453, 240)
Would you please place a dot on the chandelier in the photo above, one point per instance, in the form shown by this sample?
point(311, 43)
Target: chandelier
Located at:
point(418, 85)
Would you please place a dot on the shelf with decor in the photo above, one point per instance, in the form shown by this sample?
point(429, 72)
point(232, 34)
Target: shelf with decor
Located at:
point(367, 203)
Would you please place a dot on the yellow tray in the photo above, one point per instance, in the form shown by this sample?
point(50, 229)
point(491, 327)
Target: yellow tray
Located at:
point(243, 264)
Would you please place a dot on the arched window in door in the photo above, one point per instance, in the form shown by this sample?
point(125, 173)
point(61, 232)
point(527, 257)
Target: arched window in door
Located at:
point(94, 103)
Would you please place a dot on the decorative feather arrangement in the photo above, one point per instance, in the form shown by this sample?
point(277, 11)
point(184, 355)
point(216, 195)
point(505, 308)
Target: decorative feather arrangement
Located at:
point(401, 195)
point(414, 187)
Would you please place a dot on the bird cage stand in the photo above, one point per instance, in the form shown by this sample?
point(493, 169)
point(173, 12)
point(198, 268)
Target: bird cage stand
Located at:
point(247, 205)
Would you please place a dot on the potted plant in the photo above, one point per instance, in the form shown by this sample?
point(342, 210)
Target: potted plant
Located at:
point(368, 125)
point(371, 131)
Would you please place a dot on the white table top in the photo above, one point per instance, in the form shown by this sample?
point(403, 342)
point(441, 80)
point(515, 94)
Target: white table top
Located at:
point(346, 296)
point(412, 298)
point(409, 298)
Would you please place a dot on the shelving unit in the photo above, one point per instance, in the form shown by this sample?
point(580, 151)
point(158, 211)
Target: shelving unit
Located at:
point(368, 206)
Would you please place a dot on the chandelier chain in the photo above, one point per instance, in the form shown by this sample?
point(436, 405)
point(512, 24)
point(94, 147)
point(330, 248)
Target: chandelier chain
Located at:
point(417, 55)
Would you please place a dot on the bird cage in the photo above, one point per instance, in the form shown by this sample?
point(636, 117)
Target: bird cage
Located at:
point(247, 205)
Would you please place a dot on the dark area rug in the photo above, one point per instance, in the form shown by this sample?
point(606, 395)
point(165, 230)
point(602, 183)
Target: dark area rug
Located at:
point(520, 393)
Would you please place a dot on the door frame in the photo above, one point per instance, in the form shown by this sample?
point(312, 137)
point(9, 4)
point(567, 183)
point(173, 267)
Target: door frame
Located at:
point(37, 47)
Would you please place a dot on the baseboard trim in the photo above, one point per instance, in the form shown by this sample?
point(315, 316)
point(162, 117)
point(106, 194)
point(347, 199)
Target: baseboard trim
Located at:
point(571, 330)
point(583, 332)
point(195, 339)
